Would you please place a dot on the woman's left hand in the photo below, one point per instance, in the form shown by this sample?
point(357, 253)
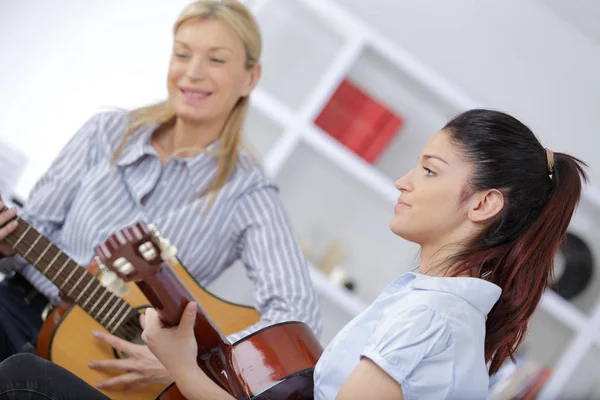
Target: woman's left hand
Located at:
point(140, 368)
point(175, 347)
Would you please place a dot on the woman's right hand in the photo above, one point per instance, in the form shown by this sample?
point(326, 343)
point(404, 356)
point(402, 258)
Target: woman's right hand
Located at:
point(6, 228)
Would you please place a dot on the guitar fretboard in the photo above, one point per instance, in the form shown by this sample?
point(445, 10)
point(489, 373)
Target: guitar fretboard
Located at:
point(74, 282)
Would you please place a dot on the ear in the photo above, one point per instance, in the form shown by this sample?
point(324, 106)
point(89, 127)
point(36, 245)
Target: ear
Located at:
point(252, 77)
point(485, 205)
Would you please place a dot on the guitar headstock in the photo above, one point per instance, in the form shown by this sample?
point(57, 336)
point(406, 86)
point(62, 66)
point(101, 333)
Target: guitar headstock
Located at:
point(134, 253)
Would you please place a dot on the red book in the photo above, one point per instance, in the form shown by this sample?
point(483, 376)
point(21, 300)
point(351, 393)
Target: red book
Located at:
point(384, 134)
point(362, 130)
point(361, 123)
point(335, 117)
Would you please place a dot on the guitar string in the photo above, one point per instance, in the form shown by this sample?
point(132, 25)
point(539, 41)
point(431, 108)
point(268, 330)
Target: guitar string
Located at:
point(125, 316)
point(67, 286)
point(127, 324)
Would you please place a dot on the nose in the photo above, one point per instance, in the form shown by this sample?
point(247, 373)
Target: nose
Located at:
point(196, 70)
point(405, 184)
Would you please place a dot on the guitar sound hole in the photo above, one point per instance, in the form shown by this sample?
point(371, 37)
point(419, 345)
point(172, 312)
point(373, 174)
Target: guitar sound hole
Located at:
point(131, 330)
point(120, 354)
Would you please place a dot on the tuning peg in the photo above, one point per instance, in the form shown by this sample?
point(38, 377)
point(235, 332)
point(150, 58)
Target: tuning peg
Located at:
point(124, 266)
point(167, 250)
point(114, 284)
point(147, 251)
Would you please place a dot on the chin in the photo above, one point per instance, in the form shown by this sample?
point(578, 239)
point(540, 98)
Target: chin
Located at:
point(396, 228)
point(403, 231)
point(194, 116)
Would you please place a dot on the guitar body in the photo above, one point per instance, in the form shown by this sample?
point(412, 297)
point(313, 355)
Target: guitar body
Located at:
point(66, 335)
point(274, 363)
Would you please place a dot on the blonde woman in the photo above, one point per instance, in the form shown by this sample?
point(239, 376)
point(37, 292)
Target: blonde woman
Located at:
point(179, 165)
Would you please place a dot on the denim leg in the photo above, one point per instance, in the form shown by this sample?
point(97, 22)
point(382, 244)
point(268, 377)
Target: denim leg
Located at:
point(20, 321)
point(28, 377)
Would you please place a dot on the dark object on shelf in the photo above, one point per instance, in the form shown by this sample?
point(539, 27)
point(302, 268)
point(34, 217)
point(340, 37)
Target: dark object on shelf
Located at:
point(578, 267)
point(17, 201)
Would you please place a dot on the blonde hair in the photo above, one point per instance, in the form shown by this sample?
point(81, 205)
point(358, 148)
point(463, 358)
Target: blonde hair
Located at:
point(239, 19)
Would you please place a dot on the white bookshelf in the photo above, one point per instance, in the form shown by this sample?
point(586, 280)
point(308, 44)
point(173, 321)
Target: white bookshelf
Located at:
point(331, 193)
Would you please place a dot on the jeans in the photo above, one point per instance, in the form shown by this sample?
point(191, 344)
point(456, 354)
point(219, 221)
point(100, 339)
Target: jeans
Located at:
point(28, 377)
point(21, 309)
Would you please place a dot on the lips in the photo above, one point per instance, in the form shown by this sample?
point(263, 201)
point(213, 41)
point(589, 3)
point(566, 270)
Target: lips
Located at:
point(193, 94)
point(402, 202)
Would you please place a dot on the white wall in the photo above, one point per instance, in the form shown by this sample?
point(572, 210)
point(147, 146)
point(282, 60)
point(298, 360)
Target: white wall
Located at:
point(514, 55)
point(63, 60)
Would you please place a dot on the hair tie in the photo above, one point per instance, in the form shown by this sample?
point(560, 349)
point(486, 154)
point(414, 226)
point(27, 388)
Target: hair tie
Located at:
point(550, 160)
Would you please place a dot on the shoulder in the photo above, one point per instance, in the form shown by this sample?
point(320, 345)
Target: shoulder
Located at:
point(250, 171)
point(414, 323)
point(111, 125)
point(105, 129)
point(412, 338)
point(110, 120)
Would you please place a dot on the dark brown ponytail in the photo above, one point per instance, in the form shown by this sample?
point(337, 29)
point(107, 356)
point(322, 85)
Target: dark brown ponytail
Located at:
point(517, 251)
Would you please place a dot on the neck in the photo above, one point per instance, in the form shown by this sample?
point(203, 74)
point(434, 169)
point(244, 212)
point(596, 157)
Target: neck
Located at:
point(434, 255)
point(434, 258)
point(186, 138)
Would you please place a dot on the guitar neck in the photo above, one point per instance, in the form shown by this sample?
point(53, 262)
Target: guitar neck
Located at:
point(73, 280)
point(169, 296)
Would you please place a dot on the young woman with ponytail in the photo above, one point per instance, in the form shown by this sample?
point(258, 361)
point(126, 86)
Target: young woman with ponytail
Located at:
point(489, 206)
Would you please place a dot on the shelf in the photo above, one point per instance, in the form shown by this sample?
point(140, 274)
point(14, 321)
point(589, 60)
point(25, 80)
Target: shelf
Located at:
point(333, 319)
point(584, 382)
point(585, 225)
point(260, 132)
point(297, 47)
point(422, 111)
point(351, 163)
point(546, 339)
point(562, 310)
point(325, 204)
point(343, 298)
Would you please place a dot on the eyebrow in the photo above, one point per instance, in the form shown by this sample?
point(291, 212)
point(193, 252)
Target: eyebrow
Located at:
point(211, 49)
point(430, 156)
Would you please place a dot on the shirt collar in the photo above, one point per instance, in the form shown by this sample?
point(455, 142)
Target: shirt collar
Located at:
point(479, 292)
point(137, 146)
point(200, 172)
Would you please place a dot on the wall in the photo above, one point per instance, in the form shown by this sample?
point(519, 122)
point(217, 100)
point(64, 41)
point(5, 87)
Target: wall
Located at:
point(516, 55)
point(63, 60)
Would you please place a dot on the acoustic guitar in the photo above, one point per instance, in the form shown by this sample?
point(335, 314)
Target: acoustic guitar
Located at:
point(98, 300)
point(276, 362)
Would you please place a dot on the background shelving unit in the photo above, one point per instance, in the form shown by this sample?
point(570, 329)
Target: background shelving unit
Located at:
point(331, 193)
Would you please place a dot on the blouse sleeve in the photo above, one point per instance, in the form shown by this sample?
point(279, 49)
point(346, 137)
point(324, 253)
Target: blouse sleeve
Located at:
point(274, 262)
point(406, 342)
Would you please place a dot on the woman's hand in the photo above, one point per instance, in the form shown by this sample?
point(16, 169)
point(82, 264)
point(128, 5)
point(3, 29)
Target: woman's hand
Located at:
point(176, 348)
point(140, 368)
point(6, 228)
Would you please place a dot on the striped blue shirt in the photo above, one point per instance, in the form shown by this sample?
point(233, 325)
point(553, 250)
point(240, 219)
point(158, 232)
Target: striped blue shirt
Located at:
point(82, 199)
